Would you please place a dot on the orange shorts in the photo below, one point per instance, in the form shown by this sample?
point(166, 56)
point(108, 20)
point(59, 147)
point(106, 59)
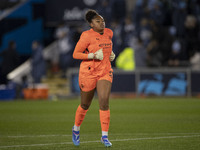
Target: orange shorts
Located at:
point(88, 82)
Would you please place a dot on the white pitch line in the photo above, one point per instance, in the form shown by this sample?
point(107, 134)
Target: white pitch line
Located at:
point(157, 138)
point(33, 136)
point(65, 135)
point(116, 140)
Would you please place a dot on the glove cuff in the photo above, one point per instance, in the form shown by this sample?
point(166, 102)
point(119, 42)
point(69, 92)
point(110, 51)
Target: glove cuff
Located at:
point(90, 56)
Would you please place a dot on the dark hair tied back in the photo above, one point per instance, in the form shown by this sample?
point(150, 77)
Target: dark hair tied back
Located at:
point(90, 14)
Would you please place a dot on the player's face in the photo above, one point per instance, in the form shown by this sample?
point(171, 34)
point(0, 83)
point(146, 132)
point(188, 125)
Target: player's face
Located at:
point(98, 24)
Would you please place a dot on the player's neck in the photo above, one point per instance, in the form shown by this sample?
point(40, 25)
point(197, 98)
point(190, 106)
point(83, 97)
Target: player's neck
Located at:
point(100, 32)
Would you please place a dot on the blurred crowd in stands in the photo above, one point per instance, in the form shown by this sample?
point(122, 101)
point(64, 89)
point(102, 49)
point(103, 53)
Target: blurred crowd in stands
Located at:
point(161, 32)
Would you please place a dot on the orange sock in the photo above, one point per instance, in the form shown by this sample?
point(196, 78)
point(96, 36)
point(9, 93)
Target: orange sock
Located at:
point(80, 115)
point(104, 119)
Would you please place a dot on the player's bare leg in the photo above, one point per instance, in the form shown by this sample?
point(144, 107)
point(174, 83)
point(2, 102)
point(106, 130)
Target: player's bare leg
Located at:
point(86, 99)
point(103, 91)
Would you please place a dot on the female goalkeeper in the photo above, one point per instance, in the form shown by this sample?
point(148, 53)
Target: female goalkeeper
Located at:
point(95, 49)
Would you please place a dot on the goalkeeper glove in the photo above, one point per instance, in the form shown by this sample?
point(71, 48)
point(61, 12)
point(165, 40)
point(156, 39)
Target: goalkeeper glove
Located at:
point(112, 56)
point(90, 56)
point(97, 55)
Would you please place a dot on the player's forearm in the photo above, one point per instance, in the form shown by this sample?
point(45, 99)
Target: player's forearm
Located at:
point(79, 55)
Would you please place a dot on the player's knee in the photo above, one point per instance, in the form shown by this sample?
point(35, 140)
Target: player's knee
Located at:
point(104, 107)
point(85, 106)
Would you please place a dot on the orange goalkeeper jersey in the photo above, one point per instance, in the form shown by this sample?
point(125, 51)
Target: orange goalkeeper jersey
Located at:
point(90, 42)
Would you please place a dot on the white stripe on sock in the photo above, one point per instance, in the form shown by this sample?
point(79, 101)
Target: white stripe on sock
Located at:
point(76, 128)
point(104, 133)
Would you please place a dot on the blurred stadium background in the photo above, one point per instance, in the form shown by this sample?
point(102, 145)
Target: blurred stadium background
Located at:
point(156, 89)
point(161, 38)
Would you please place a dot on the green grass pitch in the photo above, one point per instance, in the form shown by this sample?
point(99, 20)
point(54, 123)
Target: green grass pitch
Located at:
point(136, 124)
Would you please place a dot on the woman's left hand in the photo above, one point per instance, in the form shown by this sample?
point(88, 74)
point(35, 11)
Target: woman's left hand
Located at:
point(112, 56)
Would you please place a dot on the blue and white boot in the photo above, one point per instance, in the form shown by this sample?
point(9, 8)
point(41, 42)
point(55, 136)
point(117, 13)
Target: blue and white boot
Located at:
point(75, 137)
point(105, 141)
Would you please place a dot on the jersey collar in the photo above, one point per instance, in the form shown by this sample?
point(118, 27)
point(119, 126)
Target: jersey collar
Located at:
point(97, 32)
